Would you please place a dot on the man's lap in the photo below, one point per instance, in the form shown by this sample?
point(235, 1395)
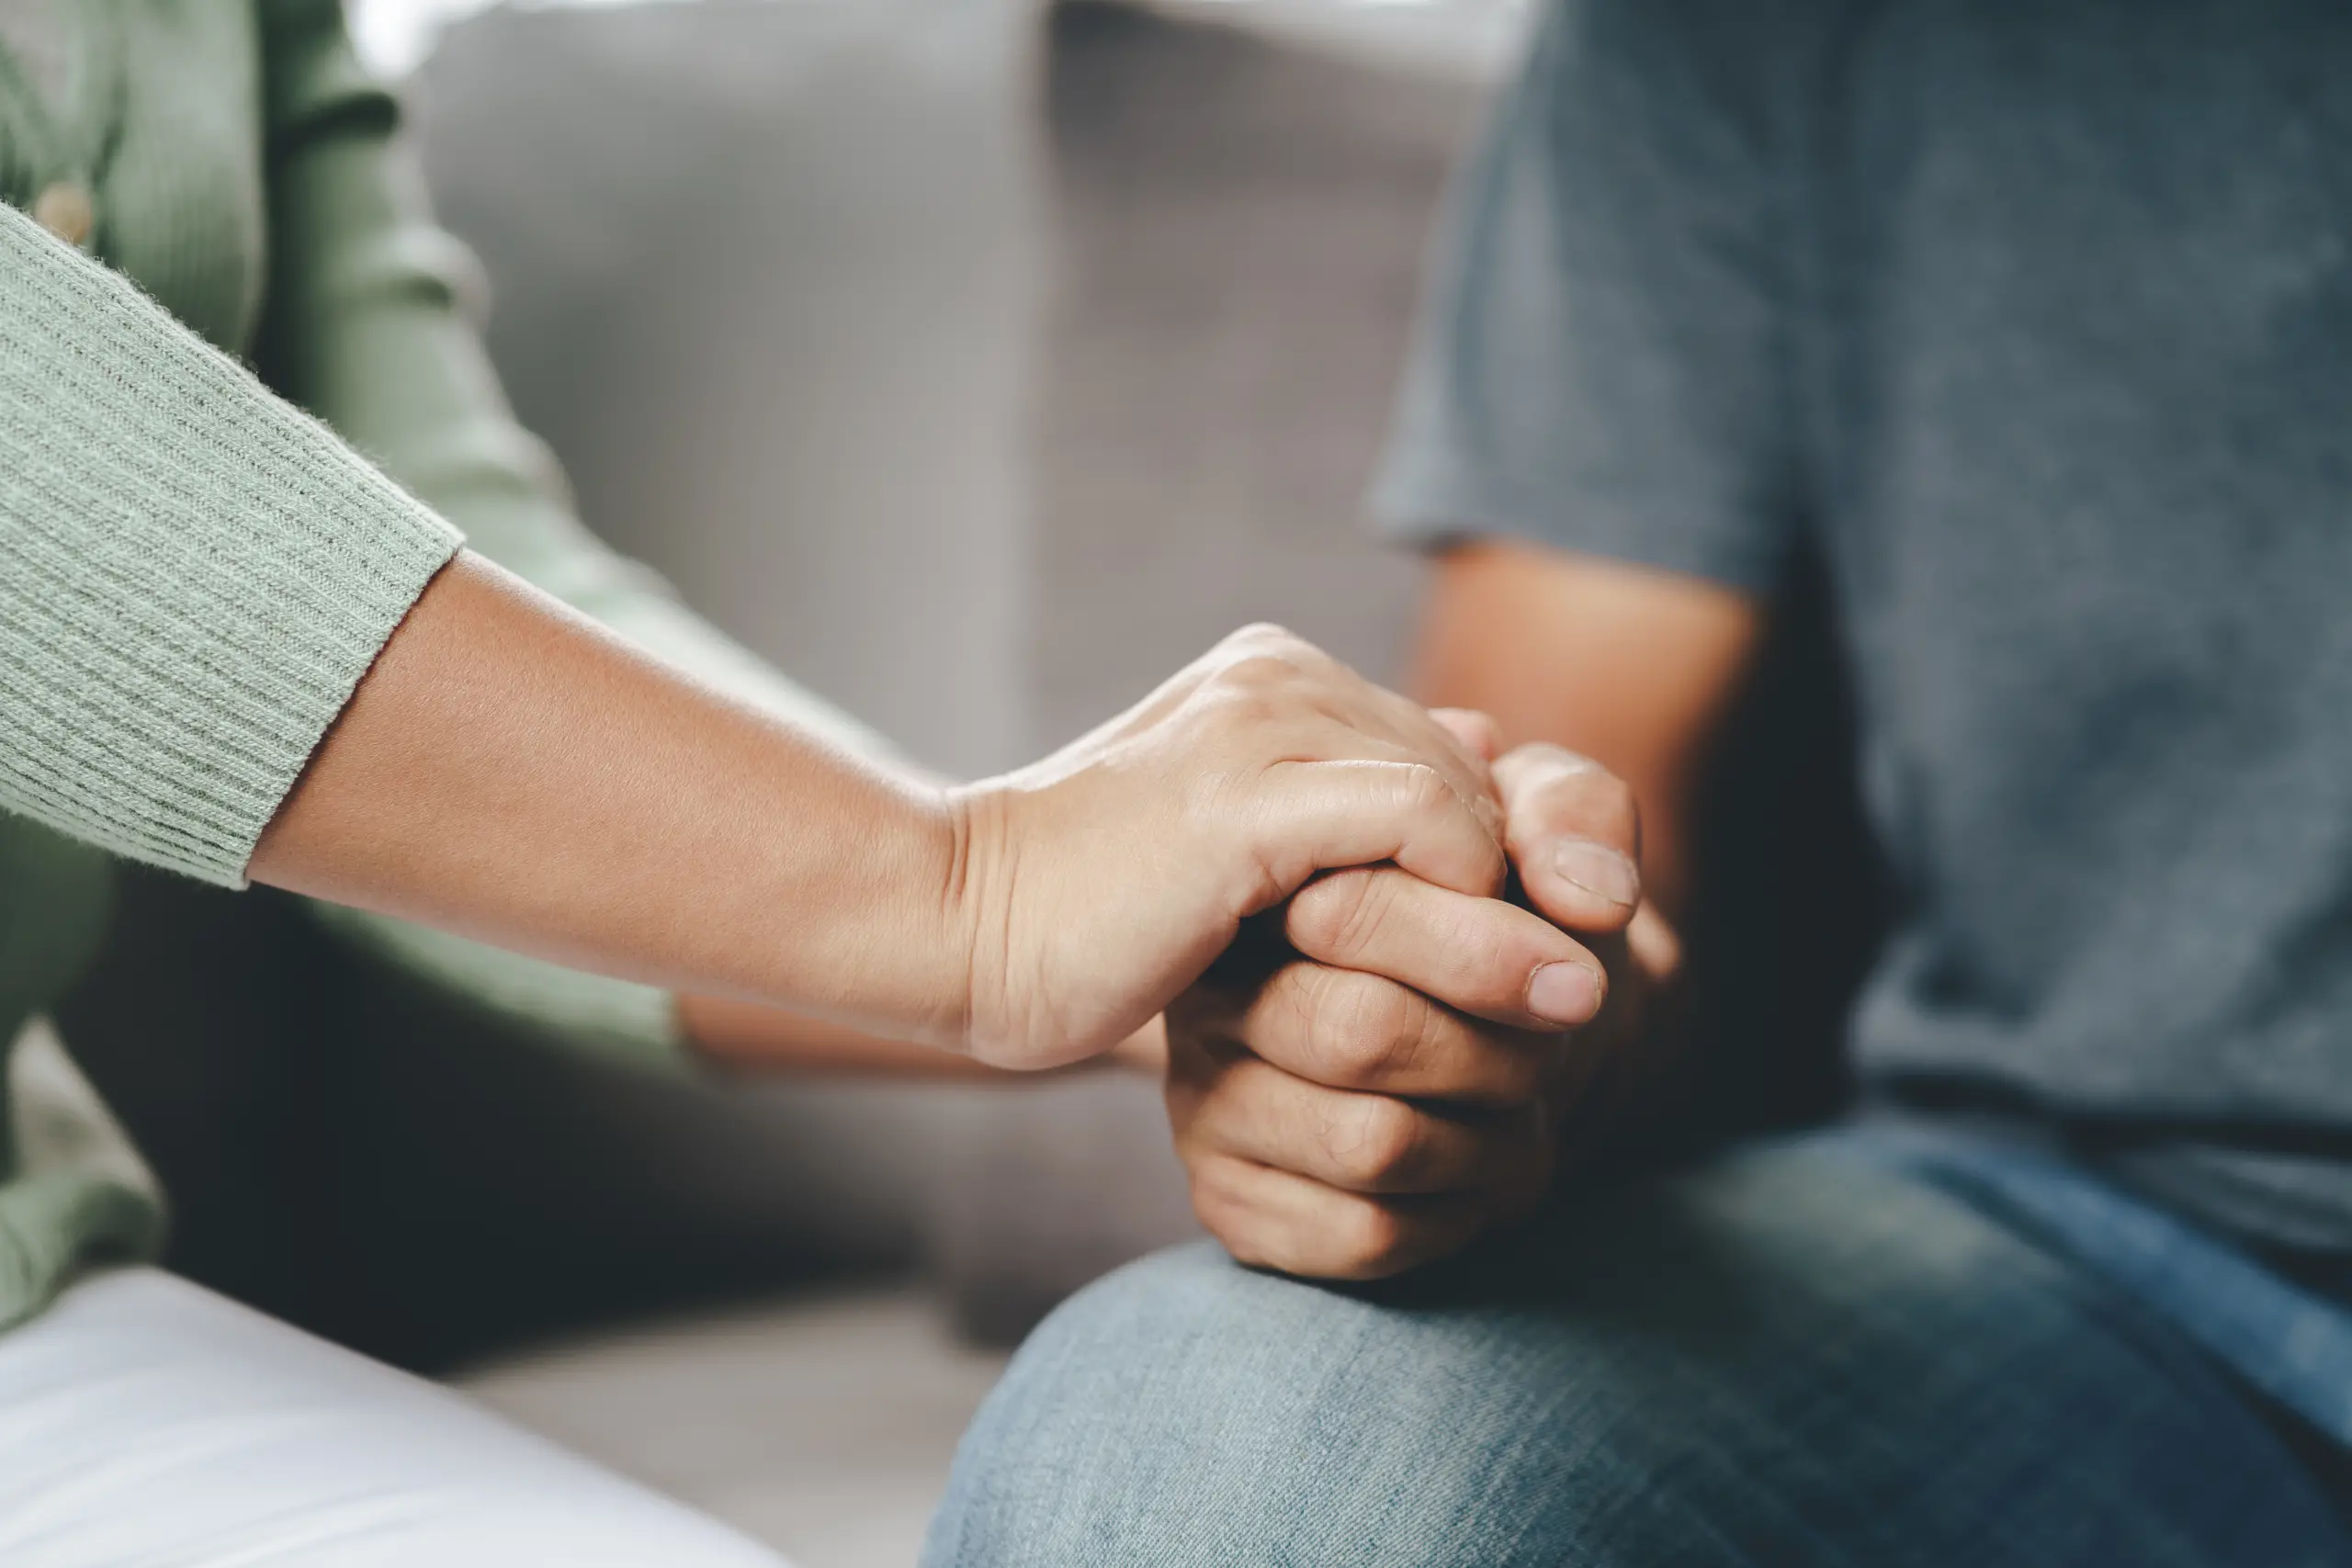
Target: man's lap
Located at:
point(1788, 1358)
point(144, 1420)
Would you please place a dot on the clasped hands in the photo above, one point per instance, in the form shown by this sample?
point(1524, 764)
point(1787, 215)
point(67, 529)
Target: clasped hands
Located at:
point(1369, 1080)
point(1371, 1043)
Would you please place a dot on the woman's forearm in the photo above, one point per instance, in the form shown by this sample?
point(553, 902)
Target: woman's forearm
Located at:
point(509, 771)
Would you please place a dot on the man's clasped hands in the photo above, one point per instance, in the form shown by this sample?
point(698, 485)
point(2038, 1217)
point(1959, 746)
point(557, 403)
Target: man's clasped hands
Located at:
point(1385, 948)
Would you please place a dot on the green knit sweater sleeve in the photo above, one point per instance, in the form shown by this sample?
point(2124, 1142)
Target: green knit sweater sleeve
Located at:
point(367, 325)
point(193, 575)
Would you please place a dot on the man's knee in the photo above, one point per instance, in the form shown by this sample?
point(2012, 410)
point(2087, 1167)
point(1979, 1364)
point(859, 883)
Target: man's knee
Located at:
point(1186, 1410)
point(1788, 1357)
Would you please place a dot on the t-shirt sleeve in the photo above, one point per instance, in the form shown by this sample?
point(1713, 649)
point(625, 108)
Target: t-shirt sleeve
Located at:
point(1604, 362)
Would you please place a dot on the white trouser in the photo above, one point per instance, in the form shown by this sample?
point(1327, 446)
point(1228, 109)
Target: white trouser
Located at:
point(145, 1422)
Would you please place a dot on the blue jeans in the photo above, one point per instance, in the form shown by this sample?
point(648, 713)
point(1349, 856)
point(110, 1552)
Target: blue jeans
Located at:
point(1803, 1353)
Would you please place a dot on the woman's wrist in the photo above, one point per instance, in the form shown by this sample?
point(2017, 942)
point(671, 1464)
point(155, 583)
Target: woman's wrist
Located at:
point(974, 902)
point(875, 933)
point(940, 908)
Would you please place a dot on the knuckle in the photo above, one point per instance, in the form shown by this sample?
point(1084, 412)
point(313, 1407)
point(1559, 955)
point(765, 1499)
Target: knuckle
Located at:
point(1374, 1237)
point(1266, 656)
point(1377, 1141)
point(1247, 1246)
point(1423, 790)
point(1336, 914)
point(1315, 918)
point(1362, 1027)
point(1242, 706)
point(1260, 671)
point(1230, 1221)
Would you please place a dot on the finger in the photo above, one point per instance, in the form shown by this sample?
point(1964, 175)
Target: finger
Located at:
point(1654, 944)
point(1481, 955)
point(1267, 670)
point(1359, 1142)
point(1272, 1219)
point(1319, 814)
point(1574, 833)
point(1466, 765)
point(1350, 1029)
point(1474, 731)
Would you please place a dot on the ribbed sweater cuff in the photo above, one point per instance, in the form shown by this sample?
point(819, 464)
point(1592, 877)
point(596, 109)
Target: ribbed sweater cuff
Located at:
point(194, 576)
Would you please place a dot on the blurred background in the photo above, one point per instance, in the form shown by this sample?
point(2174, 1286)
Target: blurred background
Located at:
point(980, 362)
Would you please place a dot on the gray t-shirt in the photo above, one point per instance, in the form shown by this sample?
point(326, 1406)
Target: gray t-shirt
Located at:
point(2033, 318)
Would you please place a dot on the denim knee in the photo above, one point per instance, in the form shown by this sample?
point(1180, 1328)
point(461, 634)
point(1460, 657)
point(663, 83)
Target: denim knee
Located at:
point(1185, 1410)
point(1781, 1359)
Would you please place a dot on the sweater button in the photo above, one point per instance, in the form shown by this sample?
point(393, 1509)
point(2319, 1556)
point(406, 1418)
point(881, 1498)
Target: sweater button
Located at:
point(64, 209)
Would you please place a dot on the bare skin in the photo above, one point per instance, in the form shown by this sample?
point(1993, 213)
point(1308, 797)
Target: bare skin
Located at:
point(511, 771)
point(1349, 1112)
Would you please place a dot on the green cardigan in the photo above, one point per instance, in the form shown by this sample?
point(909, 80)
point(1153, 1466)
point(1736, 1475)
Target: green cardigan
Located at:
point(244, 418)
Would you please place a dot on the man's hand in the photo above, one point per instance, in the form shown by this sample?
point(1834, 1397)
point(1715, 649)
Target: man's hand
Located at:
point(1365, 1097)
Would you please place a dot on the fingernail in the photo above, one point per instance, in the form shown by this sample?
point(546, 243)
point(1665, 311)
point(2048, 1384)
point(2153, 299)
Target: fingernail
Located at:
point(1564, 993)
point(1598, 870)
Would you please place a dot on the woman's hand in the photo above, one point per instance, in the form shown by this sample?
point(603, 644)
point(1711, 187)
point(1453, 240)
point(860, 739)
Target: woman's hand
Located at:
point(1099, 883)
